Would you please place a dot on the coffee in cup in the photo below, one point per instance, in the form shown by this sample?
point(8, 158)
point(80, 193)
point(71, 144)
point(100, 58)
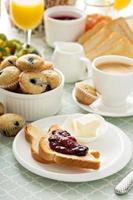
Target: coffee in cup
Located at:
point(113, 79)
point(115, 67)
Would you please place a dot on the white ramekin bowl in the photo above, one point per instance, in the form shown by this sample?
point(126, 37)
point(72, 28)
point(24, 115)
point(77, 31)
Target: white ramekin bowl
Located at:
point(34, 107)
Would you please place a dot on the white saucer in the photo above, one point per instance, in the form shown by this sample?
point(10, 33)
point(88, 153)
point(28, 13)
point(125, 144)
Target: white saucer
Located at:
point(99, 108)
point(113, 148)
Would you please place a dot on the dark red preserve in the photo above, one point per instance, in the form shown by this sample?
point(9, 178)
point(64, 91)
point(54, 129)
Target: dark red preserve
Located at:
point(61, 141)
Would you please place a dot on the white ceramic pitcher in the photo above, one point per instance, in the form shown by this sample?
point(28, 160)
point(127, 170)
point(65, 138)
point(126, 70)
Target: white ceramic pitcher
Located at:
point(70, 59)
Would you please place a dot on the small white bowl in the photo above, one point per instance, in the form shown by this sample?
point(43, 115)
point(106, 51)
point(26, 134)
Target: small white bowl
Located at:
point(101, 130)
point(34, 107)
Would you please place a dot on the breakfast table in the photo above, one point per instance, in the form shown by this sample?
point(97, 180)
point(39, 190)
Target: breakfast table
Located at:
point(18, 183)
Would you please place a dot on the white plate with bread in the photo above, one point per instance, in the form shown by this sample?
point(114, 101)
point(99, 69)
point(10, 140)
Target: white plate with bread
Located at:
point(112, 145)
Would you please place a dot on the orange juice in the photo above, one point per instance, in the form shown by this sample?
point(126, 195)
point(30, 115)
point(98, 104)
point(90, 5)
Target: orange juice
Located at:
point(27, 14)
point(120, 4)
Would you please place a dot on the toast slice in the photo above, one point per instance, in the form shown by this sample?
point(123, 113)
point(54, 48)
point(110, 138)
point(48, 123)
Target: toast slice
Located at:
point(90, 161)
point(114, 37)
point(126, 29)
point(121, 46)
point(103, 34)
point(96, 39)
point(103, 47)
point(120, 26)
point(88, 34)
point(33, 136)
point(114, 26)
point(124, 48)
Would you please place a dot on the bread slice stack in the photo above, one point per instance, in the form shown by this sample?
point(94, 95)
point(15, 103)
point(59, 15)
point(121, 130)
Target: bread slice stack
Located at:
point(114, 37)
point(41, 151)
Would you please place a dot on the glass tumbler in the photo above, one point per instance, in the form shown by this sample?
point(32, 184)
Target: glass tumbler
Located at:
point(103, 7)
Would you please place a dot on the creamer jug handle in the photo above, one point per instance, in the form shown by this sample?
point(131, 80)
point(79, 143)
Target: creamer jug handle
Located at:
point(86, 63)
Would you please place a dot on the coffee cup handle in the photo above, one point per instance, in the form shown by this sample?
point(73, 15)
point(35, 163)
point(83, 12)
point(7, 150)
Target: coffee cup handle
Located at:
point(86, 63)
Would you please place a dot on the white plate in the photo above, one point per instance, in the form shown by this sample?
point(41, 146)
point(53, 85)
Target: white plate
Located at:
point(99, 108)
point(113, 148)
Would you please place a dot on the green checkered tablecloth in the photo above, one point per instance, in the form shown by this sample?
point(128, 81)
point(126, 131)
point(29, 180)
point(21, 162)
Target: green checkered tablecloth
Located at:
point(16, 183)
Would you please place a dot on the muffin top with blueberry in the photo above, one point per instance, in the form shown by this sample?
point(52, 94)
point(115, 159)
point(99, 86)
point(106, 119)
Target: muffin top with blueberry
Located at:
point(11, 124)
point(8, 61)
point(9, 77)
point(30, 62)
point(33, 82)
point(29, 74)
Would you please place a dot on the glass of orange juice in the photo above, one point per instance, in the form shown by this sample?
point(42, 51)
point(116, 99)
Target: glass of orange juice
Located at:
point(120, 4)
point(27, 14)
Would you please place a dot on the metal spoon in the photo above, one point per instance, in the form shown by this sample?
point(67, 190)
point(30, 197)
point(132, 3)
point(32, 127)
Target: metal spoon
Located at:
point(125, 184)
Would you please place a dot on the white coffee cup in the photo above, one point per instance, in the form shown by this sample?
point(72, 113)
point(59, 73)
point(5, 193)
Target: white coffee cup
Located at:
point(113, 87)
point(63, 30)
point(69, 58)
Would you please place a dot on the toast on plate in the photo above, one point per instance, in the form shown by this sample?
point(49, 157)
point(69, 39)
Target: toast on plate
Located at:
point(89, 161)
point(33, 136)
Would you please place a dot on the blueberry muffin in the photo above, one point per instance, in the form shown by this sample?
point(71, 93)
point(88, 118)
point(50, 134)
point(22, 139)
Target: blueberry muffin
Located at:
point(33, 82)
point(2, 109)
point(85, 93)
point(47, 65)
point(9, 61)
point(52, 77)
point(30, 62)
point(11, 124)
point(9, 77)
point(18, 90)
